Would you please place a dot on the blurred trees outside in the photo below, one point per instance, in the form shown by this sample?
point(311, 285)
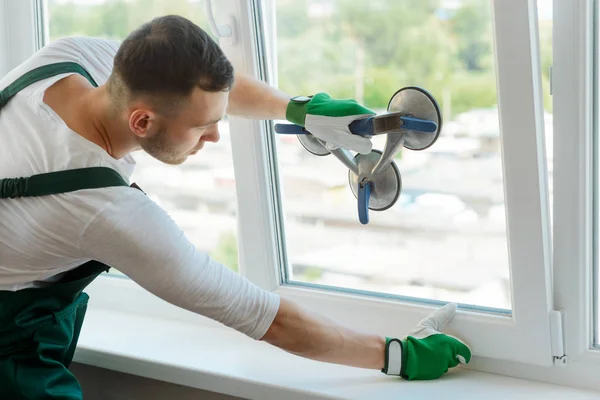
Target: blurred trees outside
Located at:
point(347, 48)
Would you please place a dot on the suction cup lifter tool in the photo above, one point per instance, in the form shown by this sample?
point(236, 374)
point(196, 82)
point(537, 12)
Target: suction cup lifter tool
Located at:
point(413, 120)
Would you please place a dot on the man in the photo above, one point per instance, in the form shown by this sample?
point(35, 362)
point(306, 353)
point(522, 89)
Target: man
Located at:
point(70, 117)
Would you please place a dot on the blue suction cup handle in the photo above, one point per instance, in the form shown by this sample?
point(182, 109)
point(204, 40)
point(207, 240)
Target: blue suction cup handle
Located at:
point(364, 195)
point(290, 129)
point(363, 127)
point(420, 125)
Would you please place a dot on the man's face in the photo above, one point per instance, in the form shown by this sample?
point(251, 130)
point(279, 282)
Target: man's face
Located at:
point(172, 139)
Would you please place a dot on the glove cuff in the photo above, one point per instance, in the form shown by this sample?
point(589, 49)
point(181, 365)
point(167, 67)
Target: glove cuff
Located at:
point(395, 357)
point(296, 110)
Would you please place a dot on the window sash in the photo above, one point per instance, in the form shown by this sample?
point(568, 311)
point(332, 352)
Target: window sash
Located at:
point(524, 337)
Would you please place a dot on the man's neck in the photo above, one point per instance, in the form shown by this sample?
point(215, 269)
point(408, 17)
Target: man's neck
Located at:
point(111, 127)
point(87, 111)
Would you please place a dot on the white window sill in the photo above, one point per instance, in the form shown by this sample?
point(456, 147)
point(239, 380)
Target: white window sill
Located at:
point(224, 361)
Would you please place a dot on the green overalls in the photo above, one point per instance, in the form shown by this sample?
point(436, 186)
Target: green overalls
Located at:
point(39, 327)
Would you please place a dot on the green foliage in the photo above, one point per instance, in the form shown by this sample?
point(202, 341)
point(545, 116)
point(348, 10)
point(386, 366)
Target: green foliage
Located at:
point(114, 19)
point(447, 52)
point(472, 29)
point(473, 90)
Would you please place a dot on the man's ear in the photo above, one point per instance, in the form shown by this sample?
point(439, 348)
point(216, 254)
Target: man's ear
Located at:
point(141, 121)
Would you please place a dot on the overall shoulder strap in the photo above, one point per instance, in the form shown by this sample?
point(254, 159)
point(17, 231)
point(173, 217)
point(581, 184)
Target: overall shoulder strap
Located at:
point(39, 73)
point(60, 182)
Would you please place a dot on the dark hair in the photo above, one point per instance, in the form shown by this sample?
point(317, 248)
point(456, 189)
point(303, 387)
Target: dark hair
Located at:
point(165, 59)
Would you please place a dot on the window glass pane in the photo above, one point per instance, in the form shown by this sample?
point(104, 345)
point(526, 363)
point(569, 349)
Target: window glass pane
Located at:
point(445, 237)
point(200, 193)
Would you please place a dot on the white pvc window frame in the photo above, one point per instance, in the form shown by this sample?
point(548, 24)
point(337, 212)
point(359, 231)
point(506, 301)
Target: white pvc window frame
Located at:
point(517, 347)
point(574, 72)
point(17, 38)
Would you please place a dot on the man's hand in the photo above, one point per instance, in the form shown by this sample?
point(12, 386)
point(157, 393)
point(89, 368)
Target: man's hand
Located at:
point(426, 353)
point(328, 119)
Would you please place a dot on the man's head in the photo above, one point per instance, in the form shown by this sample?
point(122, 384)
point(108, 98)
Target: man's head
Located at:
point(171, 80)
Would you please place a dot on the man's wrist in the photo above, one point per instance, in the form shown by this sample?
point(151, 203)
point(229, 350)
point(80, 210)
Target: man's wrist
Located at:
point(280, 104)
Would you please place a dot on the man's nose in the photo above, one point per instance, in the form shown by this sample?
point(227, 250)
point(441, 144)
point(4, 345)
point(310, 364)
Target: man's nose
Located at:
point(213, 135)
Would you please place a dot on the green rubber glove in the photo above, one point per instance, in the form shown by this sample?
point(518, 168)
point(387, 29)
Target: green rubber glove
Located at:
point(426, 353)
point(328, 120)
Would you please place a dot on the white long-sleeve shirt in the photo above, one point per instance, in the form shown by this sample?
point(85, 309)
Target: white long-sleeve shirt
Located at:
point(42, 237)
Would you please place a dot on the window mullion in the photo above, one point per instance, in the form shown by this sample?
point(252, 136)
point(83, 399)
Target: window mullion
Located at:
point(257, 233)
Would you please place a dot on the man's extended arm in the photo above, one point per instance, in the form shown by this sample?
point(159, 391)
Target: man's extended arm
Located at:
point(319, 114)
point(315, 336)
point(252, 98)
point(425, 353)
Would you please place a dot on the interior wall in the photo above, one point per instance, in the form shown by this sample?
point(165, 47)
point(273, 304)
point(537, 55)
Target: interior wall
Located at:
point(104, 384)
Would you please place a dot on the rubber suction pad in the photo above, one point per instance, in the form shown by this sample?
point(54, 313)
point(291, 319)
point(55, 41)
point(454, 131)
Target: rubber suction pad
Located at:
point(313, 144)
point(385, 186)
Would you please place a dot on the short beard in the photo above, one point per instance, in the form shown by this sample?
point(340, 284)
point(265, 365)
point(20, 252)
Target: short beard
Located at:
point(158, 147)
